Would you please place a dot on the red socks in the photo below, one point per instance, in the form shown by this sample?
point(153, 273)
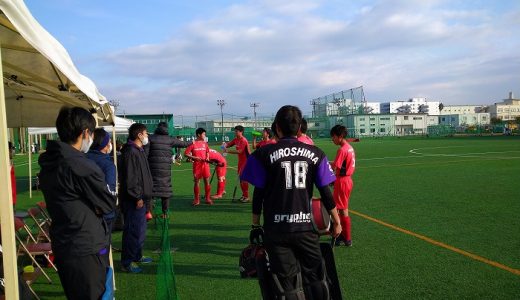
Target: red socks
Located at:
point(196, 191)
point(207, 189)
point(345, 225)
point(244, 186)
point(220, 187)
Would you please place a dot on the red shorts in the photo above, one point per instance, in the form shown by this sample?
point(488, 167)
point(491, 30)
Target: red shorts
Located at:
point(201, 171)
point(221, 171)
point(342, 188)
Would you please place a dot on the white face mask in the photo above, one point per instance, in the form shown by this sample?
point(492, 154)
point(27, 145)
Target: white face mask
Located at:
point(85, 144)
point(145, 141)
point(109, 148)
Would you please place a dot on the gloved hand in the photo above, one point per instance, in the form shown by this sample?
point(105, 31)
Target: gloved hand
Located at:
point(256, 235)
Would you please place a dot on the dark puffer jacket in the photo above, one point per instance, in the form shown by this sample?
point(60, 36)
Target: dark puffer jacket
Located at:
point(160, 160)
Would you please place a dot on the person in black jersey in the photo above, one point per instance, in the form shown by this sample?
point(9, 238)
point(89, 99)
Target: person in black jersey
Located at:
point(284, 175)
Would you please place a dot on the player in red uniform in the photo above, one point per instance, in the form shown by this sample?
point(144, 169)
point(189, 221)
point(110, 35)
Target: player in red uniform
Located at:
point(199, 153)
point(344, 165)
point(302, 134)
point(220, 169)
point(266, 139)
point(242, 149)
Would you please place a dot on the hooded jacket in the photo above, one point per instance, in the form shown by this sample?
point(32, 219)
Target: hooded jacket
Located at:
point(77, 196)
point(160, 159)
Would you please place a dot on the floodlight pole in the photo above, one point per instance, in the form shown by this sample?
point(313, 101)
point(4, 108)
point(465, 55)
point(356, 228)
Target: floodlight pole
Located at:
point(254, 105)
point(221, 103)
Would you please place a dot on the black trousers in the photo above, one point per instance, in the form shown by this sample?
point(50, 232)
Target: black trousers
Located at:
point(291, 253)
point(83, 277)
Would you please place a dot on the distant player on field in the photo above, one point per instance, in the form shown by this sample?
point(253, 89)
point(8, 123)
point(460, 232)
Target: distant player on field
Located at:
point(344, 165)
point(302, 134)
point(266, 139)
point(220, 169)
point(242, 149)
point(199, 153)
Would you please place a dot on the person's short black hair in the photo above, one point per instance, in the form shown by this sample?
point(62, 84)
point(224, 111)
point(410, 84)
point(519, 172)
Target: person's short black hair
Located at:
point(303, 128)
point(162, 124)
point(289, 119)
point(273, 130)
point(99, 139)
point(199, 131)
point(10, 145)
point(268, 130)
point(72, 121)
point(338, 130)
point(134, 130)
point(239, 128)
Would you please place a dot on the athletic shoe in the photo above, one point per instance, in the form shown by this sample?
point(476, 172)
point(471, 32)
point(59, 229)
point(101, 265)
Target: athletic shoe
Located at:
point(209, 202)
point(149, 216)
point(145, 260)
point(195, 203)
point(131, 268)
point(348, 243)
point(216, 197)
point(163, 216)
point(340, 240)
point(243, 199)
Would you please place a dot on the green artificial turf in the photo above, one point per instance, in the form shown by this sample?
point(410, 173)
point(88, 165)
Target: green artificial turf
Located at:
point(462, 192)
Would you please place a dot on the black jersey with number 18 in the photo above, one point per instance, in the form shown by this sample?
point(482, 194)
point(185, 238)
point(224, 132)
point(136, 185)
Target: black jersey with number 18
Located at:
point(287, 171)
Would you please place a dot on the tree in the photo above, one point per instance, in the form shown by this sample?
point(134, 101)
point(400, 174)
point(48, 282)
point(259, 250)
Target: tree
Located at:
point(115, 103)
point(495, 121)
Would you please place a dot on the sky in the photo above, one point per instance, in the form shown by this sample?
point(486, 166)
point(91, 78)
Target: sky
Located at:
point(180, 57)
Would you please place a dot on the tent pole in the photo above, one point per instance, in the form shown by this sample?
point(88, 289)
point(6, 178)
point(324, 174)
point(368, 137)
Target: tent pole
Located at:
point(115, 163)
point(6, 205)
point(30, 166)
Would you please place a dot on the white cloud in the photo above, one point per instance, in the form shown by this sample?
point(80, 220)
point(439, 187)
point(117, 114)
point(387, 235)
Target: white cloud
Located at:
point(290, 52)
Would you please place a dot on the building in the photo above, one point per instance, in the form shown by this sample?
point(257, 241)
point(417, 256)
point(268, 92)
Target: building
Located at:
point(411, 106)
point(389, 124)
point(216, 129)
point(465, 119)
point(151, 121)
point(462, 109)
point(507, 110)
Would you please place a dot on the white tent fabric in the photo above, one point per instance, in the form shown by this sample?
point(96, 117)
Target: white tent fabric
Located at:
point(121, 126)
point(39, 78)
point(38, 73)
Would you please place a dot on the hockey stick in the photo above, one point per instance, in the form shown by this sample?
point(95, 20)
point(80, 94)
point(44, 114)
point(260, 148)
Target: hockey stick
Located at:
point(213, 175)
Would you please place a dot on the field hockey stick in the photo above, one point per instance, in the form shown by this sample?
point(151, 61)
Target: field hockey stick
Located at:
point(235, 189)
point(213, 175)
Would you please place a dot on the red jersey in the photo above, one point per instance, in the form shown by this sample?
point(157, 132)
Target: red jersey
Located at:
point(345, 161)
point(266, 142)
point(241, 144)
point(305, 139)
point(198, 149)
point(214, 155)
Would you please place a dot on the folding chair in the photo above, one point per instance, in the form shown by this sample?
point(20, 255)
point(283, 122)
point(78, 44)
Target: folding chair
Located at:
point(41, 222)
point(43, 207)
point(31, 247)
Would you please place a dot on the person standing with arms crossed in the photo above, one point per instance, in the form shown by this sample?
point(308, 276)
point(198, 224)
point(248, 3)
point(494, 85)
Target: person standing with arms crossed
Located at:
point(242, 150)
point(135, 189)
point(199, 153)
point(343, 166)
point(77, 197)
point(284, 175)
point(159, 152)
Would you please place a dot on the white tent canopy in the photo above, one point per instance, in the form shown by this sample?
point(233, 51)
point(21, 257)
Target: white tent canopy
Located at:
point(121, 127)
point(38, 79)
point(38, 73)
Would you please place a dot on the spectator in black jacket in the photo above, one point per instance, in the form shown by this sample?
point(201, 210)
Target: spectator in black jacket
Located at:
point(160, 160)
point(77, 196)
point(135, 189)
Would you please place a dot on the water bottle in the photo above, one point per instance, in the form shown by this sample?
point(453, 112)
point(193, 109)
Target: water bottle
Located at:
point(223, 147)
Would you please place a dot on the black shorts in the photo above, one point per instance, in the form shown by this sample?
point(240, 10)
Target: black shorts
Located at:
point(290, 253)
